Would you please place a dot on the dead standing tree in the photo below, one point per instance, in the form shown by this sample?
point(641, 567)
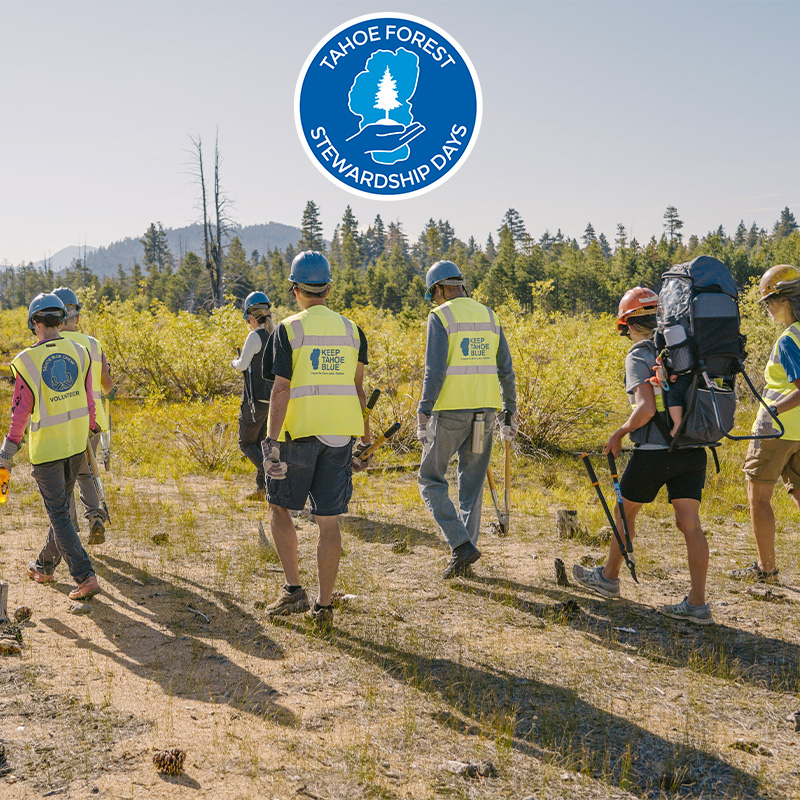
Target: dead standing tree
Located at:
point(213, 231)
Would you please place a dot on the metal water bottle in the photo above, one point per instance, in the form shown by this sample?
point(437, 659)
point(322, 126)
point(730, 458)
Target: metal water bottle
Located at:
point(478, 431)
point(4, 476)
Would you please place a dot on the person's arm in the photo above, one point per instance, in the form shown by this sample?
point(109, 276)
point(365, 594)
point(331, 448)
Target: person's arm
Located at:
point(359, 381)
point(90, 399)
point(505, 374)
point(435, 368)
point(642, 413)
point(250, 348)
point(278, 403)
point(21, 410)
point(106, 384)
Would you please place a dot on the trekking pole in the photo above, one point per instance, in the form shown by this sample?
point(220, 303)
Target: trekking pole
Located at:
point(507, 476)
point(612, 465)
point(502, 519)
point(386, 435)
point(98, 484)
point(609, 516)
point(373, 398)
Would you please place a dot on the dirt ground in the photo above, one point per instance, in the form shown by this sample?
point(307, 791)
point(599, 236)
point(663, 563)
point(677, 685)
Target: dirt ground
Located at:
point(566, 694)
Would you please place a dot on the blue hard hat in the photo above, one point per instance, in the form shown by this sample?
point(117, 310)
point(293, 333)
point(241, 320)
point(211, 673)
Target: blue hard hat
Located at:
point(42, 303)
point(67, 297)
point(440, 271)
point(255, 299)
point(309, 266)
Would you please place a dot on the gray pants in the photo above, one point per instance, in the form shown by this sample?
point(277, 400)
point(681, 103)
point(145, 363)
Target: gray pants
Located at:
point(56, 482)
point(453, 434)
point(253, 431)
point(90, 499)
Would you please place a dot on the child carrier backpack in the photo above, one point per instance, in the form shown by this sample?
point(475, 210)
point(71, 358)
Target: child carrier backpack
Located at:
point(699, 334)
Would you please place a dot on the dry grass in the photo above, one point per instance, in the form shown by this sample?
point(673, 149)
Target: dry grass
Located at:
point(606, 700)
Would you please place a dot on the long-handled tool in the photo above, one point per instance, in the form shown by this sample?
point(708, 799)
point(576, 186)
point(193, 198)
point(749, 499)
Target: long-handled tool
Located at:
point(502, 517)
point(507, 476)
point(385, 436)
point(612, 465)
point(373, 398)
point(105, 439)
point(610, 517)
point(98, 484)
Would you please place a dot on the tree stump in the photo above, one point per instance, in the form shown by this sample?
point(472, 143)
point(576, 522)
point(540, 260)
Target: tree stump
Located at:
point(567, 523)
point(3, 601)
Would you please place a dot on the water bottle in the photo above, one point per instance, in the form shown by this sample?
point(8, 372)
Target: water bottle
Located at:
point(4, 476)
point(478, 431)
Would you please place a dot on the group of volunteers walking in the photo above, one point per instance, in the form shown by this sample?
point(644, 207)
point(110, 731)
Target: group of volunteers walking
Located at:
point(304, 425)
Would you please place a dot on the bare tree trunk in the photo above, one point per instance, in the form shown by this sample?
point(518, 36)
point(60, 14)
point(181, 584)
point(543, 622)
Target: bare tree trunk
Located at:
point(218, 206)
point(207, 236)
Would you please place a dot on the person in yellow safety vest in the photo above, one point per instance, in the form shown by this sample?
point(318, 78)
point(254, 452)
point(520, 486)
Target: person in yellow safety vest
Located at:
point(653, 465)
point(53, 392)
point(102, 387)
point(316, 359)
point(467, 363)
point(770, 459)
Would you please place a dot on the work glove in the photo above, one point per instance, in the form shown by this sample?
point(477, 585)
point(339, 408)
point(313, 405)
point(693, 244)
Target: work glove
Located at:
point(509, 432)
point(94, 428)
point(7, 453)
point(111, 395)
point(273, 466)
point(357, 464)
point(425, 435)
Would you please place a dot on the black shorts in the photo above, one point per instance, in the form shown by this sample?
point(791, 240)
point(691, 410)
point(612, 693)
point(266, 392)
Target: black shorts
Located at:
point(683, 471)
point(317, 470)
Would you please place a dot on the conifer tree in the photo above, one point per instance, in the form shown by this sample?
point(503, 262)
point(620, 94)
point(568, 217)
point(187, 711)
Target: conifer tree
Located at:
point(589, 235)
point(311, 229)
point(673, 224)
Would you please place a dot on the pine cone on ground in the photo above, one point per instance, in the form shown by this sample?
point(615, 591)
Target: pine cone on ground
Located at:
point(170, 761)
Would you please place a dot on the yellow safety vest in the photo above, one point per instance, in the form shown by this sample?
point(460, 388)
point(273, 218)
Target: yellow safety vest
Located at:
point(55, 372)
point(96, 355)
point(473, 338)
point(322, 392)
point(778, 386)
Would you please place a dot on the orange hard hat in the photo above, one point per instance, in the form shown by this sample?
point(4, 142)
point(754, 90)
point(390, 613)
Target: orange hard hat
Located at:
point(782, 279)
point(636, 302)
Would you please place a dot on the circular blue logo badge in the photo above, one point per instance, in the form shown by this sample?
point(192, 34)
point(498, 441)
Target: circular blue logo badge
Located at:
point(59, 372)
point(388, 106)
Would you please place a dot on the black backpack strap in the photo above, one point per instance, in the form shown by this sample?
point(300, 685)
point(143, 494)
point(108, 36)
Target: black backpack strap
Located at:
point(713, 449)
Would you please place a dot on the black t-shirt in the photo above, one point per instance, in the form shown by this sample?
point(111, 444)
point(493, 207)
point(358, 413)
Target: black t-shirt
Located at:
point(278, 354)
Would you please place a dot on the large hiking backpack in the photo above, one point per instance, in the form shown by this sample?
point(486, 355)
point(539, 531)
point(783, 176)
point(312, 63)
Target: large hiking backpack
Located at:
point(699, 333)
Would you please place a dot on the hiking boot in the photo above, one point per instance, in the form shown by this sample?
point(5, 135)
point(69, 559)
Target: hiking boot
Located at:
point(97, 532)
point(700, 615)
point(85, 589)
point(752, 572)
point(595, 580)
point(462, 556)
point(288, 603)
point(258, 495)
point(321, 616)
point(36, 573)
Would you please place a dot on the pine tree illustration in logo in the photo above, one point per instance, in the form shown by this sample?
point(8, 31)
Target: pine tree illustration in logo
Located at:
point(386, 98)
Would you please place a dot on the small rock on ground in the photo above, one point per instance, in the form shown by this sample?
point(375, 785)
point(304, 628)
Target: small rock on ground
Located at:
point(80, 608)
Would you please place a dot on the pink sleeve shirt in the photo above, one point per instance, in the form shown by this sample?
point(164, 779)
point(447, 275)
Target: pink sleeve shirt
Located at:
point(22, 407)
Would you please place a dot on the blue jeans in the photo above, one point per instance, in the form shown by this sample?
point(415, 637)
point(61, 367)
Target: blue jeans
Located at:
point(453, 434)
point(56, 481)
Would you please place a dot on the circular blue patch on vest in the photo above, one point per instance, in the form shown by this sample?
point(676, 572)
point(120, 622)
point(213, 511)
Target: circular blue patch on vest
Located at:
point(59, 372)
point(388, 106)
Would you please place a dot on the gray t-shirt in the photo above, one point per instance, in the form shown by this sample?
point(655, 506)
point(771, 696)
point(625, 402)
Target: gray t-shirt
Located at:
point(639, 365)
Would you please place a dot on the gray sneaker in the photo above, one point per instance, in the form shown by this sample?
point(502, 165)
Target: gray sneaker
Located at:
point(595, 580)
point(700, 615)
point(288, 603)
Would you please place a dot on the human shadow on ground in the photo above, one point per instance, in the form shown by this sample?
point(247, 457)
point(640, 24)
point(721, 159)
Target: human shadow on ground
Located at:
point(552, 724)
point(377, 531)
point(636, 629)
point(168, 603)
point(163, 643)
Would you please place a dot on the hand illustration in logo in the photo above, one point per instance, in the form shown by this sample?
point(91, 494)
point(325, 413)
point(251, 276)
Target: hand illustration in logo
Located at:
point(465, 346)
point(385, 88)
point(315, 358)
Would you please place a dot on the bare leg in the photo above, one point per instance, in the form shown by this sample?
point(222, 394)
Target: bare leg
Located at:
point(329, 551)
point(762, 518)
point(676, 415)
point(615, 561)
point(285, 537)
point(687, 518)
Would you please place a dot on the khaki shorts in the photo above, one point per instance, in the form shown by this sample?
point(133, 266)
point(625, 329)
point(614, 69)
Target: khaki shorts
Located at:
point(770, 459)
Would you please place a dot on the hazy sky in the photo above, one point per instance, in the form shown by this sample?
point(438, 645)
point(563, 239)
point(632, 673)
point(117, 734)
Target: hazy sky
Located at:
point(593, 111)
